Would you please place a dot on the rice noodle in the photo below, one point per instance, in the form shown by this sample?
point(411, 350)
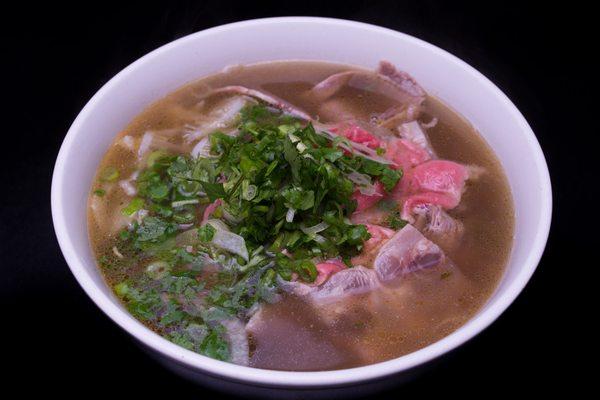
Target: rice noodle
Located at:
point(141, 214)
point(116, 252)
point(193, 133)
point(145, 144)
point(127, 187)
point(413, 132)
point(161, 143)
point(396, 115)
point(267, 98)
point(127, 141)
point(237, 337)
point(353, 147)
point(201, 149)
point(224, 116)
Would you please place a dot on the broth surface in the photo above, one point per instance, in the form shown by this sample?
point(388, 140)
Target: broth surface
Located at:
point(378, 326)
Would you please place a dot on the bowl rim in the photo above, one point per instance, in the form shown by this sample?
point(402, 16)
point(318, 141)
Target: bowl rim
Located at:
point(262, 377)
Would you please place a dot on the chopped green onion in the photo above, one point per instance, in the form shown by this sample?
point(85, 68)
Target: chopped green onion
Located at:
point(321, 226)
point(293, 138)
point(287, 129)
point(395, 222)
point(109, 174)
point(306, 269)
point(206, 233)
point(121, 289)
point(134, 206)
point(188, 188)
point(154, 156)
point(248, 191)
point(184, 202)
point(301, 147)
point(185, 216)
point(159, 191)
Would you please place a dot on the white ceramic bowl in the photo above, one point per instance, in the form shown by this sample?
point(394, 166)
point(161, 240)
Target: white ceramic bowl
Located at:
point(206, 52)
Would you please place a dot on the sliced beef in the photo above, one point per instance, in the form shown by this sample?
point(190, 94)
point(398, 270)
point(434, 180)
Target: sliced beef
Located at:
point(267, 98)
point(328, 268)
point(404, 81)
point(358, 134)
point(387, 81)
point(405, 154)
point(375, 215)
point(413, 132)
point(395, 116)
point(351, 281)
point(223, 115)
point(436, 182)
point(405, 252)
point(347, 282)
point(438, 226)
point(379, 235)
point(365, 201)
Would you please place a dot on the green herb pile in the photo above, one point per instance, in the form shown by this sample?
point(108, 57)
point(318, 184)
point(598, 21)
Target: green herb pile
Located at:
point(285, 199)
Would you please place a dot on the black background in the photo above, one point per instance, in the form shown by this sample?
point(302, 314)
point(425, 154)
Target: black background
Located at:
point(54, 60)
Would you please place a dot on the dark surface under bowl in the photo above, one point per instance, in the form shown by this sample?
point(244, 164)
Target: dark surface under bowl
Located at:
point(56, 339)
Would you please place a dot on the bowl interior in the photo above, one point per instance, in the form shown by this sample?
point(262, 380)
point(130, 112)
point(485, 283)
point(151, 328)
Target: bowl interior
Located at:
point(189, 58)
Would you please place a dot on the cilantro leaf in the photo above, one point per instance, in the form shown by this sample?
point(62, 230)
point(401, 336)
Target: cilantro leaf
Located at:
point(395, 222)
point(291, 156)
point(298, 199)
point(134, 206)
point(214, 191)
point(390, 177)
point(274, 167)
point(215, 346)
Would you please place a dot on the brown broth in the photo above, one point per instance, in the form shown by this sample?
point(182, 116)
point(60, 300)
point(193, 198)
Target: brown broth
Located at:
point(376, 327)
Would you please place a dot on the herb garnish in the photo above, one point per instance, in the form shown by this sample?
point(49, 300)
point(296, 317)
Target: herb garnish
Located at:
point(285, 199)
